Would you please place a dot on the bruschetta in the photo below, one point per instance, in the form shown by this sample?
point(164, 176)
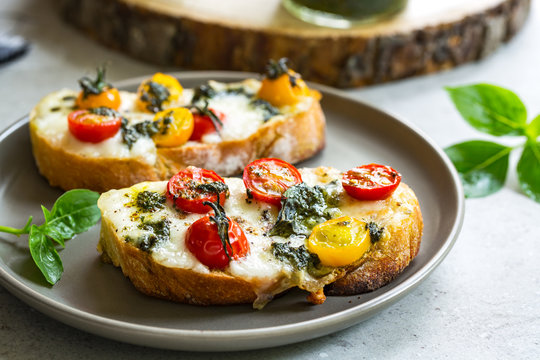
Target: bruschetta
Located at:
point(100, 138)
point(206, 240)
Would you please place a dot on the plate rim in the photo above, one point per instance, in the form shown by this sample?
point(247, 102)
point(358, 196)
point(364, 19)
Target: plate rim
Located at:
point(76, 317)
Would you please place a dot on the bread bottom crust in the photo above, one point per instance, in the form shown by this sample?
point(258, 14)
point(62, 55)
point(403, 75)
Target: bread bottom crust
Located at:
point(171, 283)
point(69, 170)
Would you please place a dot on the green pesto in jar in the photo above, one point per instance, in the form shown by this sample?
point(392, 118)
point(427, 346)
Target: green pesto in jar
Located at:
point(343, 13)
point(354, 8)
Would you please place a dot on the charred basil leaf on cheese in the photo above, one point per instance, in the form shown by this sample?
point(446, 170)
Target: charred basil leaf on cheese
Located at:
point(156, 93)
point(190, 188)
point(171, 127)
point(206, 121)
point(283, 86)
point(304, 206)
point(132, 133)
point(204, 93)
point(268, 110)
point(96, 93)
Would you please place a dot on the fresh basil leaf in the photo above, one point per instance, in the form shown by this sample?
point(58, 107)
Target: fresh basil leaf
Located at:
point(74, 212)
point(45, 255)
point(528, 170)
point(533, 129)
point(490, 109)
point(482, 166)
point(58, 234)
point(46, 213)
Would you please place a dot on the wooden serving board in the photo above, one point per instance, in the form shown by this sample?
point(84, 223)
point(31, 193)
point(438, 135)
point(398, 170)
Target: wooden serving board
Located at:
point(430, 35)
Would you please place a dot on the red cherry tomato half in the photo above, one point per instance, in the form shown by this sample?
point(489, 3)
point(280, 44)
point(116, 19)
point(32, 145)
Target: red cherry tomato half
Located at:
point(203, 240)
point(371, 182)
point(202, 124)
point(89, 126)
point(185, 191)
point(267, 179)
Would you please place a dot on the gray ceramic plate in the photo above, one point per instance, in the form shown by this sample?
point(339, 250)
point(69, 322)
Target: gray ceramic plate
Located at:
point(97, 298)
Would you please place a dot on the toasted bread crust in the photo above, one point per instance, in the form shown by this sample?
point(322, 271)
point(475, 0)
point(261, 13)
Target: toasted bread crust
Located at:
point(69, 170)
point(292, 138)
point(386, 259)
point(175, 284)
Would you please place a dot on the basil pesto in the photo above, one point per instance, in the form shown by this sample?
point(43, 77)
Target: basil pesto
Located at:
point(303, 207)
point(268, 110)
point(205, 92)
point(148, 128)
point(158, 232)
point(155, 95)
point(375, 232)
point(150, 201)
point(299, 258)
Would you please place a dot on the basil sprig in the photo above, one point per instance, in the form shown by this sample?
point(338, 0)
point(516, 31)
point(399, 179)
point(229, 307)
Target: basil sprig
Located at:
point(483, 165)
point(73, 213)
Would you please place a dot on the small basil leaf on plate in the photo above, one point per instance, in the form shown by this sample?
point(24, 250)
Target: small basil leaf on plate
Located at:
point(490, 109)
point(46, 213)
point(58, 234)
point(482, 166)
point(528, 170)
point(533, 129)
point(74, 212)
point(45, 255)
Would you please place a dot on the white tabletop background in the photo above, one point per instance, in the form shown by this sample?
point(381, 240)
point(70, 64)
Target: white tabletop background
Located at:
point(482, 302)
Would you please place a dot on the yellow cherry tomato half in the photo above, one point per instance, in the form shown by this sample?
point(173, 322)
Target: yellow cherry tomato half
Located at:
point(156, 93)
point(287, 89)
point(109, 98)
point(340, 241)
point(176, 126)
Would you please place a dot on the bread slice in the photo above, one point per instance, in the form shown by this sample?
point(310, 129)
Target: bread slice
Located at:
point(295, 134)
point(170, 271)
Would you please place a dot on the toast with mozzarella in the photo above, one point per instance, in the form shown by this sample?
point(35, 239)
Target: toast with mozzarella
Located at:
point(151, 243)
point(252, 127)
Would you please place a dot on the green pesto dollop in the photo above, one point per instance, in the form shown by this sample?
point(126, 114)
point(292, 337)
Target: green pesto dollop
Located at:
point(303, 207)
point(157, 233)
point(150, 201)
point(299, 258)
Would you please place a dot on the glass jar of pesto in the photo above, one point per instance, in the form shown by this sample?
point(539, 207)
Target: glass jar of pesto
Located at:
point(343, 13)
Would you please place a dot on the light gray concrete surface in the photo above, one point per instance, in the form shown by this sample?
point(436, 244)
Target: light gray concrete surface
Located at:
point(482, 302)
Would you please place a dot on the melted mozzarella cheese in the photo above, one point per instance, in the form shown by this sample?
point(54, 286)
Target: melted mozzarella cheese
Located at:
point(241, 119)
